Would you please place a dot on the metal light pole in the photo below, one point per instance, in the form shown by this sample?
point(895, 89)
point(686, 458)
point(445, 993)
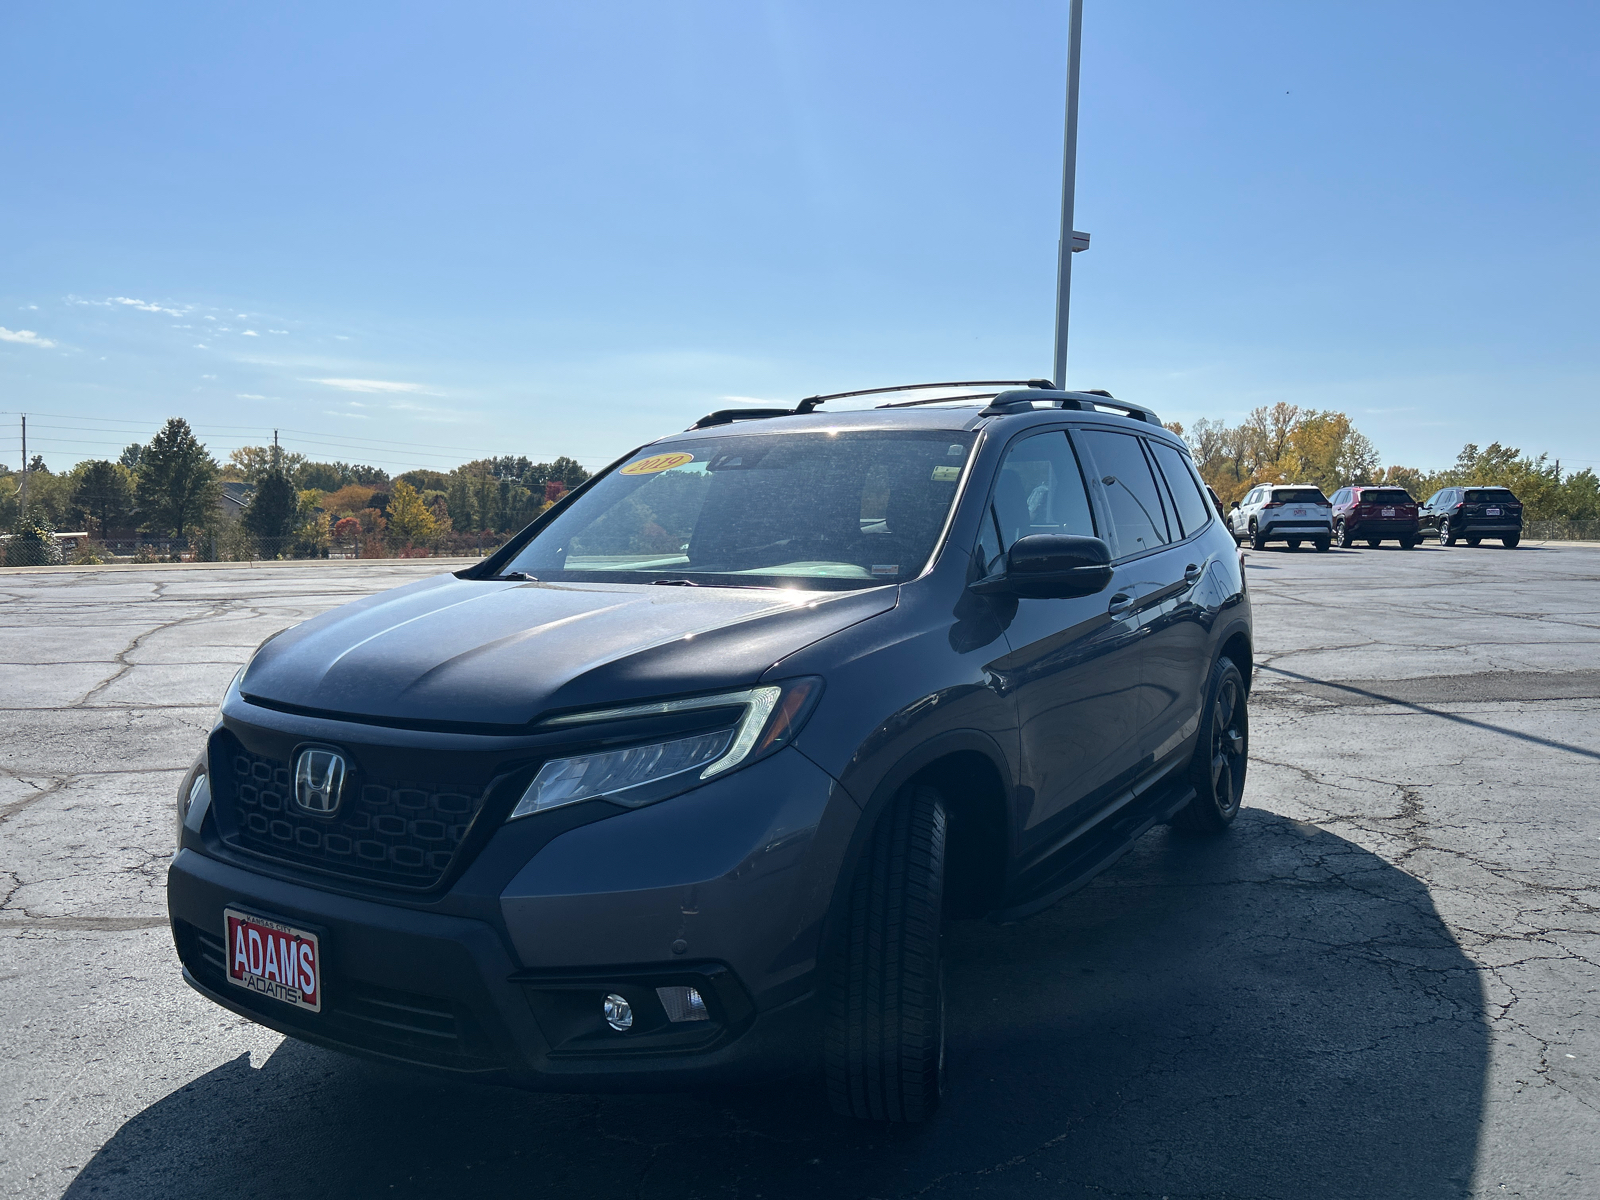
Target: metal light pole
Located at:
point(1069, 172)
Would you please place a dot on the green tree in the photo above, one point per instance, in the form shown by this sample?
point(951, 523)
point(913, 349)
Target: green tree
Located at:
point(130, 456)
point(410, 522)
point(251, 464)
point(104, 495)
point(274, 508)
point(461, 503)
point(177, 485)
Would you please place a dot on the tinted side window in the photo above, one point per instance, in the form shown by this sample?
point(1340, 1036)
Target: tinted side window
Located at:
point(1138, 522)
point(1185, 486)
point(1040, 490)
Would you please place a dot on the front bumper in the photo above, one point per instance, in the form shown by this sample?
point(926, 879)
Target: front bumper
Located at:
point(723, 889)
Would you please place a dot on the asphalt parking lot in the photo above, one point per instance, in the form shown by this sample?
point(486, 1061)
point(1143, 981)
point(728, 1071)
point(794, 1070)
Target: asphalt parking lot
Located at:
point(1382, 983)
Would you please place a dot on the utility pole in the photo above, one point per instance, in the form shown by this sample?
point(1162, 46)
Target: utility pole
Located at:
point(24, 464)
point(1070, 241)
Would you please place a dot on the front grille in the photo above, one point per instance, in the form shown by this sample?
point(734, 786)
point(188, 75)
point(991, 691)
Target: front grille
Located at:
point(404, 1025)
point(387, 831)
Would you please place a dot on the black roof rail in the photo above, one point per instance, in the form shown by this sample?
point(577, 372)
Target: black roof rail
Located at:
point(1014, 402)
point(727, 416)
point(810, 403)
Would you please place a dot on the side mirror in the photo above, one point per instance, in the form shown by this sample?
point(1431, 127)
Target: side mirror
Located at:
point(1051, 566)
point(1234, 505)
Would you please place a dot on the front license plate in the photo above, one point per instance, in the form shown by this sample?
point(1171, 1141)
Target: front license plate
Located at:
point(1492, 512)
point(1388, 512)
point(274, 960)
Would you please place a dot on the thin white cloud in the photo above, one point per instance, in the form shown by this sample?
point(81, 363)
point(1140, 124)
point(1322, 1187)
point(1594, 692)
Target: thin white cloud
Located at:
point(277, 331)
point(339, 337)
point(24, 337)
point(144, 306)
point(250, 396)
point(249, 333)
point(201, 346)
point(210, 318)
point(208, 377)
point(30, 308)
point(373, 385)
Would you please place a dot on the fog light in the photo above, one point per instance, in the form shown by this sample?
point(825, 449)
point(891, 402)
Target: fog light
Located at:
point(619, 1013)
point(683, 1004)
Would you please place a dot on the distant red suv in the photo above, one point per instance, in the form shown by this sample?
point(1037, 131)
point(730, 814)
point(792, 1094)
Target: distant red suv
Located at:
point(1375, 515)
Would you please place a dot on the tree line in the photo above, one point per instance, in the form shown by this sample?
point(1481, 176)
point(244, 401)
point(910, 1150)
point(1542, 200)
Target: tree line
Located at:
point(1284, 443)
point(285, 503)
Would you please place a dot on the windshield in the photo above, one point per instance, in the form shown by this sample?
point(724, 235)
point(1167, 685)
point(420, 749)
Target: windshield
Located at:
point(824, 511)
point(1298, 496)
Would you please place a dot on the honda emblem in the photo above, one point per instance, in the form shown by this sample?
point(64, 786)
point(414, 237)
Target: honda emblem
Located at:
point(319, 781)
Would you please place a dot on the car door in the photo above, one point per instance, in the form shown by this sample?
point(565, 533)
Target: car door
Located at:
point(1147, 545)
point(1073, 670)
point(1175, 618)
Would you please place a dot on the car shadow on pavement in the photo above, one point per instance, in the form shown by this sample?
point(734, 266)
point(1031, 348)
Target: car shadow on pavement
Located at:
point(1276, 1012)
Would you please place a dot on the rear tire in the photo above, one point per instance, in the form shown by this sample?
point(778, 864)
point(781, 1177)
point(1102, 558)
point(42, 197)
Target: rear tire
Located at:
point(1223, 755)
point(1374, 542)
point(1473, 541)
point(1409, 543)
point(1294, 543)
point(883, 1048)
point(1511, 541)
point(1322, 544)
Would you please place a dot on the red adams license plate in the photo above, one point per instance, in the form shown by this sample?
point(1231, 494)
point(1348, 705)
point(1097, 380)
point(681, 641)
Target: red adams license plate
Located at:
point(274, 960)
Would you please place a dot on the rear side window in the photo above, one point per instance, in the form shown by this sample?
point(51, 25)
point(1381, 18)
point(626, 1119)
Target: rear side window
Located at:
point(1039, 490)
point(1138, 521)
point(1489, 496)
point(1299, 496)
point(1185, 487)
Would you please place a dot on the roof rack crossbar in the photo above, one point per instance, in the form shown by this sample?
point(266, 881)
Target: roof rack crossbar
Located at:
point(727, 416)
point(810, 403)
point(1013, 402)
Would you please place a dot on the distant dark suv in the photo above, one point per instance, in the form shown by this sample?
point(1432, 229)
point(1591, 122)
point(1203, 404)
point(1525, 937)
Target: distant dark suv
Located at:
point(1375, 515)
point(1470, 514)
point(685, 783)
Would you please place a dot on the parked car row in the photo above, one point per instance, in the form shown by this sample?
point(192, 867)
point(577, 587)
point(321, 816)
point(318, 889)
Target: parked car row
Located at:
point(1297, 513)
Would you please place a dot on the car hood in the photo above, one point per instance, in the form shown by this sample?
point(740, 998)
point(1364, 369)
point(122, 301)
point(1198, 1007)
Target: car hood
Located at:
point(457, 651)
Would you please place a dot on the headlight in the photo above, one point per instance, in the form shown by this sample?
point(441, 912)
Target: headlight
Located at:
point(640, 775)
point(192, 804)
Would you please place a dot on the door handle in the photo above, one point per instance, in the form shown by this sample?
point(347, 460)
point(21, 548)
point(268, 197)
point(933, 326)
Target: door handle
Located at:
point(1191, 573)
point(1120, 603)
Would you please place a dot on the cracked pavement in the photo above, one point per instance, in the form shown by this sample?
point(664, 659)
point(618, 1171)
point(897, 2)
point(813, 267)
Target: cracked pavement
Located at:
point(1382, 982)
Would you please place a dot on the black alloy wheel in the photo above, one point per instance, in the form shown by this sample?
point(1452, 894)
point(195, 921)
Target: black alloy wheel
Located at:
point(1222, 756)
point(883, 1047)
point(1446, 538)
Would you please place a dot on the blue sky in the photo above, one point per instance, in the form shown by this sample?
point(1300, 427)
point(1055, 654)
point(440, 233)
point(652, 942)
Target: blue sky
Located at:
point(415, 234)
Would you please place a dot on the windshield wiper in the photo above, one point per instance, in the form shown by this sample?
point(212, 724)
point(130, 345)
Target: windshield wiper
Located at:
point(516, 577)
point(676, 583)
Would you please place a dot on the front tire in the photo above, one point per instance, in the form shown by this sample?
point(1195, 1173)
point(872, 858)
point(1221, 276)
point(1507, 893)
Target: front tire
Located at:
point(1446, 538)
point(1257, 541)
point(1342, 532)
point(1222, 757)
point(883, 1049)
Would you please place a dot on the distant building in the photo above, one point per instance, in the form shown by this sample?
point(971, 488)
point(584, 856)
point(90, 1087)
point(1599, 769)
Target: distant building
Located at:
point(232, 500)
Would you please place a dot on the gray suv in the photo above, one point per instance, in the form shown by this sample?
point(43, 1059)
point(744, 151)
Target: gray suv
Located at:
point(685, 784)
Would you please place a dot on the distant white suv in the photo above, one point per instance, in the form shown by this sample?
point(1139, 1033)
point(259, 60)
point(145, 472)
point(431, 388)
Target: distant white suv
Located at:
point(1283, 512)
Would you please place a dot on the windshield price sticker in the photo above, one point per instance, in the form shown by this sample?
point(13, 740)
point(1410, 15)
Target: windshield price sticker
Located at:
point(274, 960)
point(656, 463)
